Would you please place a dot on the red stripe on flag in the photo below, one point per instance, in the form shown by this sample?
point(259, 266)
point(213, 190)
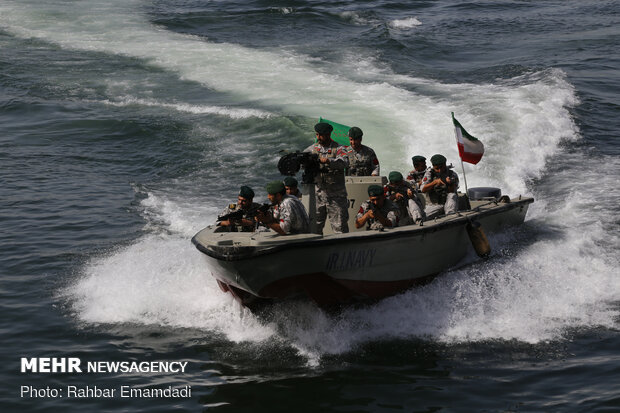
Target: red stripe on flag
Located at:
point(468, 156)
point(470, 148)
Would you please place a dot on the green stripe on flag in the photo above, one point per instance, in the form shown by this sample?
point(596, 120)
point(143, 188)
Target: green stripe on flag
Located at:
point(340, 133)
point(463, 131)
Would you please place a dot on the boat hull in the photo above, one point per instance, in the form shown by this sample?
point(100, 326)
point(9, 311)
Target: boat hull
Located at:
point(343, 268)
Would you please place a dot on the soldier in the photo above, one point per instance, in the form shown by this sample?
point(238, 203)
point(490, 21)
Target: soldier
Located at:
point(245, 210)
point(440, 184)
point(419, 169)
point(292, 187)
point(362, 160)
point(377, 212)
point(404, 195)
point(331, 193)
point(289, 215)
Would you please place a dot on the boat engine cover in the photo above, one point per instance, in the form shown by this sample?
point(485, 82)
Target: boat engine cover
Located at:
point(484, 192)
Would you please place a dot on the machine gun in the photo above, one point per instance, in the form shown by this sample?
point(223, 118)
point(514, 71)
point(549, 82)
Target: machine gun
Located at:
point(242, 213)
point(290, 164)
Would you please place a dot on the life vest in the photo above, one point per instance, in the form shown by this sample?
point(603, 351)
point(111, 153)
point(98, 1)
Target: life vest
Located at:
point(328, 176)
point(439, 193)
point(360, 163)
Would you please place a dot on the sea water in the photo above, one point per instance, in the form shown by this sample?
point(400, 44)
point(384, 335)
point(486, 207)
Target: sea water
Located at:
point(127, 126)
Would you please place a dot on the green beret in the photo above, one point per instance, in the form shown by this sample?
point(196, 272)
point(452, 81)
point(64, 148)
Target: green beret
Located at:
point(417, 159)
point(323, 128)
point(438, 159)
point(395, 176)
point(275, 187)
point(246, 192)
point(355, 133)
point(290, 181)
point(375, 190)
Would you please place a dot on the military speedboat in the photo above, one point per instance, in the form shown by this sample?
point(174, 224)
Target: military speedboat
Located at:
point(337, 269)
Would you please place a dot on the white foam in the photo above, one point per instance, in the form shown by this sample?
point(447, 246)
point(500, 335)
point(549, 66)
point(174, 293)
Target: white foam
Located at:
point(159, 280)
point(184, 217)
point(354, 17)
point(234, 113)
point(406, 23)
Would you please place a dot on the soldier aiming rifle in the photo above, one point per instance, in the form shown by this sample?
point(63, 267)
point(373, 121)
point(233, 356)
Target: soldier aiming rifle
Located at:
point(377, 212)
point(241, 216)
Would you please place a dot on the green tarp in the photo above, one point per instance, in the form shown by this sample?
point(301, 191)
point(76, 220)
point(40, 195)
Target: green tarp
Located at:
point(340, 133)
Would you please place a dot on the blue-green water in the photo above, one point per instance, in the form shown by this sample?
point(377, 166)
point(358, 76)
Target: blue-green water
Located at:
point(125, 126)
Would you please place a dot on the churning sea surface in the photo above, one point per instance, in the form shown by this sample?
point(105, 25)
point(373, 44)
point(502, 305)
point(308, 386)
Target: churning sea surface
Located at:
point(127, 125)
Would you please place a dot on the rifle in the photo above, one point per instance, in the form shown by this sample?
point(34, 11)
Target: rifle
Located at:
point(376, 224)
point(401, 190)
point(442, 176)
point(241, 213)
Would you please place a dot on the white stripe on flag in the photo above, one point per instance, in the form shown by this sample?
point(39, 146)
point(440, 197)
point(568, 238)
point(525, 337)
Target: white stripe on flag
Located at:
point(470, 151)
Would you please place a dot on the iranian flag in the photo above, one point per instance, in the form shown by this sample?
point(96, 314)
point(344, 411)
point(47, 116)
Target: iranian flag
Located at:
point(470, 148)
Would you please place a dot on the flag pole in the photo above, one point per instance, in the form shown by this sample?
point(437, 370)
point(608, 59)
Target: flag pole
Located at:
point(456, 136)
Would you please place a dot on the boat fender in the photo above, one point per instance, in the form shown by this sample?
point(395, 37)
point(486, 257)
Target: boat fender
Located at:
point(478, 239)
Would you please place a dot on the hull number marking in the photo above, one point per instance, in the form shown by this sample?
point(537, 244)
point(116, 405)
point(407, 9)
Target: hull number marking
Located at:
point(350, 260)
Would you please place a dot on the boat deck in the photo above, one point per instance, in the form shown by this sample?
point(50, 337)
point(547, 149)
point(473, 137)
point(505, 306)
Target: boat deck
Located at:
point(213, 242)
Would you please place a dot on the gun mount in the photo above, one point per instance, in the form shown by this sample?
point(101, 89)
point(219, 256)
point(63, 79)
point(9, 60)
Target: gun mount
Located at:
point(292, 162)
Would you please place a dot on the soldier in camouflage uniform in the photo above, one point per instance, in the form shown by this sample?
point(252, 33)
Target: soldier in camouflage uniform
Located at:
point(419, 169)
point(362, 160)
point(440, 184)
point(331, 193)
point(377, 212)
point(292, 187)
point(246, 222)
point(288, 214)
point(404, 195)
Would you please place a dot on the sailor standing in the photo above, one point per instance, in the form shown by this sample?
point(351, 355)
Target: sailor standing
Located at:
point(331, 192)
point(362, 160)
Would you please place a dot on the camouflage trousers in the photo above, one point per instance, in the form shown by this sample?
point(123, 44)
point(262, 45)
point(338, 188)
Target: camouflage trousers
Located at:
point(410, 212)
point(336, 208)
point(450, 207)
point(414, 207)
